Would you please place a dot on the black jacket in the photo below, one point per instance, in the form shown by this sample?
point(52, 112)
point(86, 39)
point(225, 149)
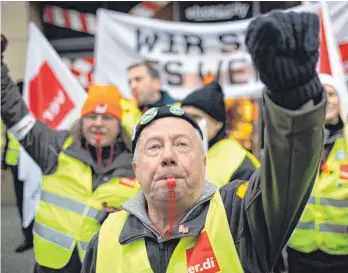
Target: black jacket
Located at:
point(4, 165)
point(164, 100)
point(262, 221)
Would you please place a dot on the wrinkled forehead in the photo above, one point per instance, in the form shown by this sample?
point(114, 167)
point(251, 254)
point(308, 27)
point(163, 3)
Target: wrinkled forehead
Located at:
point(168, 127)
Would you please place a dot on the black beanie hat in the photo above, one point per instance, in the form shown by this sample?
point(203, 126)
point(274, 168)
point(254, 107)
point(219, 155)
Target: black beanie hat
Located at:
point(209, 99)
point(158, 113)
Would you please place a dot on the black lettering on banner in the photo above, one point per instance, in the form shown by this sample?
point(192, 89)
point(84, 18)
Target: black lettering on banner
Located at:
point(195, 41)
point(146, 40)
point(232, 70)
point(202, 72)
point(171, 44)
point(174, 76)
point(230, 42)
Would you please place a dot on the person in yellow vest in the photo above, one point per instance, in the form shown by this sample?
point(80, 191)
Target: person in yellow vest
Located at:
point(11, 162)
point(145, 84)
point(3, 138)
point(4, 143)
point(320, 240)
point(225, 154)
point(180, 222)
point(85, 173)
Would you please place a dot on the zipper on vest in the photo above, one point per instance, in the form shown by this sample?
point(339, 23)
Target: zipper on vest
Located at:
point(167, 254)
point(161, 246)
point(161, 260)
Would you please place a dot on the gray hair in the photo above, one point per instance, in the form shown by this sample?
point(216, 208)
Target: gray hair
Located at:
point(154, 74)
point(201, 144)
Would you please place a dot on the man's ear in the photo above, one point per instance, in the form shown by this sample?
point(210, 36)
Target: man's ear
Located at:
point(157, 84)
point(134, 165)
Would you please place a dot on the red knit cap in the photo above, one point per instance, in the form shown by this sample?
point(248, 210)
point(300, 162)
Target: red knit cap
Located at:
point(103, 99)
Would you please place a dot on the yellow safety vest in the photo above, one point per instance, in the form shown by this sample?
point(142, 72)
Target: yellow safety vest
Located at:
point(131, 119)
point(324, 222)
point(67, 212)
point(131, 114)
point(12, 150)
point(3, 132)
point(224, 158)
point(213, 251)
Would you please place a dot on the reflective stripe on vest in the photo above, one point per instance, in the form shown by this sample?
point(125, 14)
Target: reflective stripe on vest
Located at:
point(69, 207)
point(223, 160)
point(311, 200)
point(212, 251)
point(324, 222)
point(306, 225)
point(54, 236)
point(343, 229)
point(12, 150)
point(93, 213)
point(333, 203)
point(69, 204)
point(83, 245)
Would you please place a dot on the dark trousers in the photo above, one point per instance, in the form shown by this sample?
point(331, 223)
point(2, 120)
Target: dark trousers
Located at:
point(316, 262)
point(73, 266)
point(302, 268)
point(19, 192)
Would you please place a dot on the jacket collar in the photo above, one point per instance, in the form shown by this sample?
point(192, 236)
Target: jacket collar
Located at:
point(222, 134)
point(164, 100)
point(333, 132)
point(138, 224)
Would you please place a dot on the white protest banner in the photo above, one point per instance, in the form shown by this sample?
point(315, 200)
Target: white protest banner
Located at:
point(55, 97)
point(183, 52)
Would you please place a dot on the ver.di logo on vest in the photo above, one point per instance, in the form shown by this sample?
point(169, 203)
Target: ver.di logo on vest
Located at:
point(201, 258)
point(204, 267)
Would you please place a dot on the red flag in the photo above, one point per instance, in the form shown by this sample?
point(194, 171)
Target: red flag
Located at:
point(51, 91)
point(48, 100)
point(324, 61)
point(344, 54)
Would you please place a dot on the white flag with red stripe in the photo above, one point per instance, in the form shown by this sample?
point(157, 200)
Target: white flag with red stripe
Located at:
point(330, 61)
point(86, 22)
point(72, 19)
point(55, 97)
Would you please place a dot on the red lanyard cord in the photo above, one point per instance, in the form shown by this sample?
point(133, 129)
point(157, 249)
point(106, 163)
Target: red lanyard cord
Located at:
point(99, 153)
point(171, 183)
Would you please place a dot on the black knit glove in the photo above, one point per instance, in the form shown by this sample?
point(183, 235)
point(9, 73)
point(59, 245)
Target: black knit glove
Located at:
point(285, 47)
point(3, 45)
